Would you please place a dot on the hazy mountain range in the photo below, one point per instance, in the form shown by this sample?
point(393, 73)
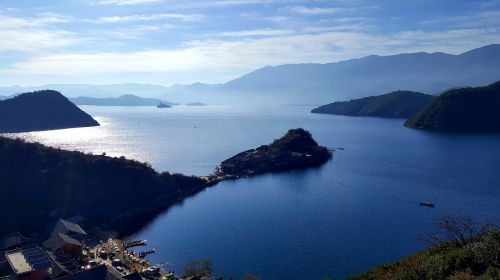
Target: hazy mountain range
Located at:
point(124, 100)
point(430, 73)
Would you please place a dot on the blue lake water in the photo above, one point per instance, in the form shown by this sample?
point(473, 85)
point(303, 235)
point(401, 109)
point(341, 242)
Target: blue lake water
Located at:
point(355, 212)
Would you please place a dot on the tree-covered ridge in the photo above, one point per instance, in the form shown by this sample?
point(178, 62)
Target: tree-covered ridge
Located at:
point(41, 110)
point(398, 104)
point(465, 109)
point(40, 183)
point(296, 149)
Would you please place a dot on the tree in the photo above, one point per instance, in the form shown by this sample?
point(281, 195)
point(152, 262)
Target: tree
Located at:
point(460, 229)
point(199, 268)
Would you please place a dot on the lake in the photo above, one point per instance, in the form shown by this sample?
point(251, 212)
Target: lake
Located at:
point(355, 212)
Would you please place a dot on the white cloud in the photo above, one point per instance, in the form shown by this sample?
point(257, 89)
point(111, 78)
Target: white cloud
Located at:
point(257, 32)
point(240, 56)
point(312, 11)
point(129, 2)
point(470, 20)
point(152, 17)
point(33, 35)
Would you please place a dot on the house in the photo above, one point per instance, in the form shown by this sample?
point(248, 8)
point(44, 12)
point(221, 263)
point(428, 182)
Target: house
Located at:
point(12, 241)
point(65, 243)
point(70, 229)
point(30, 263)
point(66, 237)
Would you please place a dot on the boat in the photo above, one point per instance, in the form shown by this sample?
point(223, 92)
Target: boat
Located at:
point(427, 204)
point(145, 253)
point(136, 243)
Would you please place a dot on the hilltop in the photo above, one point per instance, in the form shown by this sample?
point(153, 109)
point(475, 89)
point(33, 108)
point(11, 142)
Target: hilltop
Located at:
point(465, 109)
point(41, 110)
point(398, 104)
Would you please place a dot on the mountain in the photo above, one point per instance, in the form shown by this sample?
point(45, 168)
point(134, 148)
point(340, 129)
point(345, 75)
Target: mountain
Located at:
point(466, 109)
point(41, 110)
point(75, 90)
point(178, 93)
point(314, 83)
point(356, 78)
point(41, 183)
point(2, 97)
point(398, 104)
point(124, 100)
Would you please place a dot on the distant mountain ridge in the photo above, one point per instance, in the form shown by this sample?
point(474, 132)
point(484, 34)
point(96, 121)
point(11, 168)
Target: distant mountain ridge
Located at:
point(398, 104)
point(41, 110)
point(466, 109)
point(315, 83)
point(356, 78)
point(124, 100)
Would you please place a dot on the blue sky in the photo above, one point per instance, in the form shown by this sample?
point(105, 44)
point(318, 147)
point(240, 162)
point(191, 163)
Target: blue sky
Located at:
point(173, 41)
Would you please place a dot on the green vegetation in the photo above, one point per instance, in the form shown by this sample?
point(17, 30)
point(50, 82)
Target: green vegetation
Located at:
point(40, 184)
point(199, 268)
point(41, 110)
point(398, 104)
point(466, 109)
point(297, 149)
point(472, 251)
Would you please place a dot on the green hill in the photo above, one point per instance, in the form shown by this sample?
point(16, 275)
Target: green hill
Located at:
point(465, 109)
point(398, 104)
point(41, 110)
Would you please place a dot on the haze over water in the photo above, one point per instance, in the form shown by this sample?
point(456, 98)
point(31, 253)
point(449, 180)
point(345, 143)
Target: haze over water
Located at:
point(353, 213)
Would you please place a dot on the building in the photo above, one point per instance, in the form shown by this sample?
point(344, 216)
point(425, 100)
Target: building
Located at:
point(29, 263)
point(66, 237)
point(70, 229)
point(12, 241)
point(64, 243)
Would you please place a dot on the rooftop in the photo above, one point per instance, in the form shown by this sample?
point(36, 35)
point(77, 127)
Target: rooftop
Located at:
point(28, 260)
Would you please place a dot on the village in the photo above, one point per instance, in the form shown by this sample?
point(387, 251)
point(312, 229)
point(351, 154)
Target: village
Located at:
point(69, 253)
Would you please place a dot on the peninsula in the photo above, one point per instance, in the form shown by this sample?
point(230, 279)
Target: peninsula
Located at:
point(41, 110)
point(296, 150)
point(397, 104)
point(61, 183)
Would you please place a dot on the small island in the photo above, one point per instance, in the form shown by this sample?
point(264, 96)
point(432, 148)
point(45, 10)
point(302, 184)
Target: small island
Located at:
point(41, 110)
point(465, 109)
point(196, 104)
point(296, 150)
point(397, 104)
point(163, 105)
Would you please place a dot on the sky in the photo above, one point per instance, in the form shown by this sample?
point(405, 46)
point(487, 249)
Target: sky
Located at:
point(169, 42)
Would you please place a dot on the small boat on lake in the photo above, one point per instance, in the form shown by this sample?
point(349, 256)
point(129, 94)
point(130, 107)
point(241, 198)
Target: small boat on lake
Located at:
point(427, 204)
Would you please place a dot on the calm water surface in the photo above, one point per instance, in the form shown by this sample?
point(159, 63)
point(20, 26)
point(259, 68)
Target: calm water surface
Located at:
point(355, 212)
